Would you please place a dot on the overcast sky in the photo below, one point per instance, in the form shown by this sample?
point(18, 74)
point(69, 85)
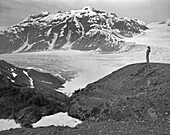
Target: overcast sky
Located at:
point(14, 11)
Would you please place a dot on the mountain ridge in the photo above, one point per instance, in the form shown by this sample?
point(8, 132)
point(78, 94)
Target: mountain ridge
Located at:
point(84, 29)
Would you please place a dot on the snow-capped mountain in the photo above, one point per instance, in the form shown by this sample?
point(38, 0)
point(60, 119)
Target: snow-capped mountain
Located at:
point(85, 29)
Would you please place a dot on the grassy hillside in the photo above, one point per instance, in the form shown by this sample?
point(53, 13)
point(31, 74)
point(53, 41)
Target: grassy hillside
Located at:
point(134, 100)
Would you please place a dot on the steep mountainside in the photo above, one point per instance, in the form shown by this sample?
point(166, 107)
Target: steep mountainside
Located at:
point(26, 95)
point(85, 29)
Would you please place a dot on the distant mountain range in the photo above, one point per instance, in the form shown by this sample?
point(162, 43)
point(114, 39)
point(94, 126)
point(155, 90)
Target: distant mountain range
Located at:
point(84, 29)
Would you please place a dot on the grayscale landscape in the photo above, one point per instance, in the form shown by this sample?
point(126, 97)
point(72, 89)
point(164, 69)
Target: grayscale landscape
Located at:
point(98, 62)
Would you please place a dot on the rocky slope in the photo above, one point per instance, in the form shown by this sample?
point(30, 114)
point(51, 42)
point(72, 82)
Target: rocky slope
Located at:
point(26, 95)
point(85, 29)
point(132, 100)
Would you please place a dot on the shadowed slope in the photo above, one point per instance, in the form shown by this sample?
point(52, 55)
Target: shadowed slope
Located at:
point(26, 95)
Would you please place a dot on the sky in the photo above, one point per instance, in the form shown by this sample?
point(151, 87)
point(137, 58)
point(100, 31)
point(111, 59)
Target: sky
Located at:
point(14, 11)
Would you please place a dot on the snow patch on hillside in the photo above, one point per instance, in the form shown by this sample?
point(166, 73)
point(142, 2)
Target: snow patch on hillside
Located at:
point(22, 47)
point(14, 74)
point(52, 44)
point(8, 124)
point(30, 79)
point(47, 82)
point(67, 45)
point(60, 119)
point(58, 75)
point(10, 79)
point(25, 47)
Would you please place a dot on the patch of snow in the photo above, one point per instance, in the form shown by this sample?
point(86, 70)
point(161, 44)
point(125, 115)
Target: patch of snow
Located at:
point(22, 47)
point(30, 79)
point(14, 74)
point(72, 13)
point(59, 119)
point(52, 44)
point(91, 13)
point(45, 13)
point(89, 45)
point(7, 68)
point(77, 23)
point(63, 91)
point(49, 31)
point(11, 79)
point(47, 82)
point(11, 40)
point(22, 29)
point(58, 75)
point(67, 45)
point(8, 124)
point(30, 67)
point(98, 50)
point(24, 24)
point(29, 46)
point(17, 36)
point(62, 30)
point(39, 69)
point(58, 16)
point(15, 32)
point(83, 31)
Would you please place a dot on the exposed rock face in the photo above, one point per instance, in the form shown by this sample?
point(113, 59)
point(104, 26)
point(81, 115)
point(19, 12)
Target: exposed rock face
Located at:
point(26, 95)
point(85, 29)
point(139, 92)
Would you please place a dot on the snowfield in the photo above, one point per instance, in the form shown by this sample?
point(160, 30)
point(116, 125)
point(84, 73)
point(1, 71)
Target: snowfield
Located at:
point(81, 68)
point(158, 35)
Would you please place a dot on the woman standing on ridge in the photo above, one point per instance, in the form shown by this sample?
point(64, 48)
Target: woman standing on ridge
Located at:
point(147, 54)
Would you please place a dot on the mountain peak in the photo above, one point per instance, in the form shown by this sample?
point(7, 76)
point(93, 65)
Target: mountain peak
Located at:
point(84, 29)
point(87, 8)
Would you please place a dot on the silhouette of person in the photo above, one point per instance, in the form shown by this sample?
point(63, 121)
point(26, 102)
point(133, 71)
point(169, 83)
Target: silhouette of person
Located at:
point(147, 54)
